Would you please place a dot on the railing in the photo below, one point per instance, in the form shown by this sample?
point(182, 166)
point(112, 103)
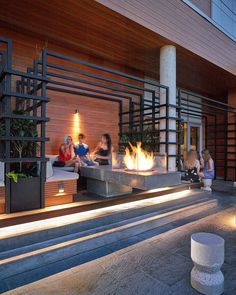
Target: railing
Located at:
point(219, 121)
point(8, 98)
point(136, 113)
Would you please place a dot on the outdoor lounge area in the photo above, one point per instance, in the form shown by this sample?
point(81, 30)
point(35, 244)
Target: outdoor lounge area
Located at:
point(150, 134)
point(118, 147)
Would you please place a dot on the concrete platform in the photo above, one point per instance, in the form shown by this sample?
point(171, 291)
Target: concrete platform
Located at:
point(107, 181)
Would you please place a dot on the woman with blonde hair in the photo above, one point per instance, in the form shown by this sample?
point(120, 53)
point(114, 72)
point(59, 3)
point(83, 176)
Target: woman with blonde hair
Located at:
point(208, 170)
point(192, 167)
point(67, 156)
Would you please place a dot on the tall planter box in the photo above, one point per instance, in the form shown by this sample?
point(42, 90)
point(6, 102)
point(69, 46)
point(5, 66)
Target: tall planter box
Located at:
point(25, 194)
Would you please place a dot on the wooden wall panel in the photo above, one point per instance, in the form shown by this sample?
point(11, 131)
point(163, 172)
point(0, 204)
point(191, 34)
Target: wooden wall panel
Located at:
point(132, 37)
point(53, 197)
point(95, 116)
point(179, 23)
point(2, 200)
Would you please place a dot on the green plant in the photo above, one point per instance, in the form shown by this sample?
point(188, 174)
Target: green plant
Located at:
point(21, 148)
point(149, 139)
point(16, 175)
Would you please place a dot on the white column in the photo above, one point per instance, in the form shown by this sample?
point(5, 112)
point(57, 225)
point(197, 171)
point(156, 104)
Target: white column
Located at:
point(168, 78)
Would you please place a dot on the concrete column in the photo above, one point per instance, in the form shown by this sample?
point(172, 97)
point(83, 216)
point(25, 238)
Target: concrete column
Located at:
point(168, 78)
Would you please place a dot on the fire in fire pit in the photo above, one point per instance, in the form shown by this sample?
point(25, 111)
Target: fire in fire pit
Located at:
point(138, 159)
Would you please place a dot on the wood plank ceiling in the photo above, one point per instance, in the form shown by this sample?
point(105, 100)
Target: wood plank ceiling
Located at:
point(88, 27)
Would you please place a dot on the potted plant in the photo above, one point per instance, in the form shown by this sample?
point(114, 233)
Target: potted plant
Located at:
point(24, 179)
point(149, 139)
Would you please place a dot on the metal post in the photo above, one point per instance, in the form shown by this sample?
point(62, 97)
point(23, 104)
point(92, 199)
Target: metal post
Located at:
point(225, 146)
point(179, 130)
point(167, 129)
point(7, 111)
point(43, 128)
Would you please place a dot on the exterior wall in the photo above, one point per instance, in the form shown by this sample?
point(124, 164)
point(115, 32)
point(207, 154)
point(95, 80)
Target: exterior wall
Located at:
point(2, 200)
point(95, 116)
point(231, 150)
point(203, 5)
point(224, 14)
point(179, 23)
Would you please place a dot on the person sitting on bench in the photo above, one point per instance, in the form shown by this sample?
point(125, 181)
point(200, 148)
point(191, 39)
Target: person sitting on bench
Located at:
point(104, 150)
point(81, 150)
point(67, 156)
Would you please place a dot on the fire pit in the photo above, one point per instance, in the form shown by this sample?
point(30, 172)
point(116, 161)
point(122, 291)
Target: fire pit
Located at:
point(139, 172)
point(138, 159)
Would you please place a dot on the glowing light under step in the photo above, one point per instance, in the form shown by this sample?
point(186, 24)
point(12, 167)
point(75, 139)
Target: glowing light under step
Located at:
point(88, 215)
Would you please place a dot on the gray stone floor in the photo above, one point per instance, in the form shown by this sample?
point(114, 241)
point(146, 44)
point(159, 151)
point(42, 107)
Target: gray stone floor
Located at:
point(155, 264)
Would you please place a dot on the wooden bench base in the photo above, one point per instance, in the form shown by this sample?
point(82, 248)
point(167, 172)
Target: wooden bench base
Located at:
point(2, 200)
point(54, 197)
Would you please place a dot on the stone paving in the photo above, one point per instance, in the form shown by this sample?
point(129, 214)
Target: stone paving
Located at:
point(153, 264)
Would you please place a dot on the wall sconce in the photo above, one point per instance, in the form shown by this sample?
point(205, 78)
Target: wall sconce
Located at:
point(77, 111)
point(61, 188)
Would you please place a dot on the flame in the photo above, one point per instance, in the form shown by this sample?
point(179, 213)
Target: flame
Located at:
point(138, 159)
point(115, 162)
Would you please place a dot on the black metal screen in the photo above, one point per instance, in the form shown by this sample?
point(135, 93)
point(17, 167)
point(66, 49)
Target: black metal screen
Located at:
point(22, 97)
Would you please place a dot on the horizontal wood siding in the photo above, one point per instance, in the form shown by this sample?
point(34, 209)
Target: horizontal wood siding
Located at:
point(95, 116)
point(53, 197)
point(101, 35)
point(179, 23)
point(2, 199)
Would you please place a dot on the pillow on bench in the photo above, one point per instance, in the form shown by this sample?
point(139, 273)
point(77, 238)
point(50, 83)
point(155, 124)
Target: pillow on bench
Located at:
point(2, 172)
point(50, 169)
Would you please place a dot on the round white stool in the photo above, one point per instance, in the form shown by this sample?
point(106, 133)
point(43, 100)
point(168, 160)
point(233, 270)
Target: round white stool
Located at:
point(207, 183)
point(207, 253)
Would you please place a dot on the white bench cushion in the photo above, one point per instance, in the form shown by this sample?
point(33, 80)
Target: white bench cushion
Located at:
point(49, 168)
point(1, 171)
point(60, 175)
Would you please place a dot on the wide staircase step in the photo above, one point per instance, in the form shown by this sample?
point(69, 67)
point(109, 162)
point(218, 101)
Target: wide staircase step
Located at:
point(74, 238)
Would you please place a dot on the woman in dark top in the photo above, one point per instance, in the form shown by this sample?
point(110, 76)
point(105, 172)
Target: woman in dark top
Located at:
point(103, 151)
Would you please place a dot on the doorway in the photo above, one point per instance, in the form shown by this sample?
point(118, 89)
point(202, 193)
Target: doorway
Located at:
point(191, 138)
point(194, 137)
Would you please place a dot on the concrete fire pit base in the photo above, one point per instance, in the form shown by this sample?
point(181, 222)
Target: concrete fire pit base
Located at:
point(107, 189)
point(107, 181)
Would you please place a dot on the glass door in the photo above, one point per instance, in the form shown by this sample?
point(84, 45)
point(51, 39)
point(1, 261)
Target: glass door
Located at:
point(194, 137)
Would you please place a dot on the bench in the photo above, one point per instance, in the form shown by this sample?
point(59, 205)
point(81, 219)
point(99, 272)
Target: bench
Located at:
point(60, 185)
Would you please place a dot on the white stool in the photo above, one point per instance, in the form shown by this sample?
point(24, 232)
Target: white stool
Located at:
point(207, 253)
point(207, 183)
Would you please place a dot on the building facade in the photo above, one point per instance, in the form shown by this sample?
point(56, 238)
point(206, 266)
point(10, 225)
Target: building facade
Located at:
point(174, 60)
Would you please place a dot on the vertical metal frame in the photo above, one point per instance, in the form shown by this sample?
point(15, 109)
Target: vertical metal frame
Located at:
point(23, 92)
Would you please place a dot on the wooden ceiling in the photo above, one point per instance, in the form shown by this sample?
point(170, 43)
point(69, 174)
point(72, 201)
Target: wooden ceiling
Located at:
point(88, 27)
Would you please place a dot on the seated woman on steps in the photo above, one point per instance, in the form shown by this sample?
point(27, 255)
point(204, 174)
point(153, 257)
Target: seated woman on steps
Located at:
point(67, 156)
point(208, 170)
point(192, 167)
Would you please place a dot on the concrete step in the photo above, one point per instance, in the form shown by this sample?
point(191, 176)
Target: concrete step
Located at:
point(109, 225)
point(47, 252)
point(39, 231)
